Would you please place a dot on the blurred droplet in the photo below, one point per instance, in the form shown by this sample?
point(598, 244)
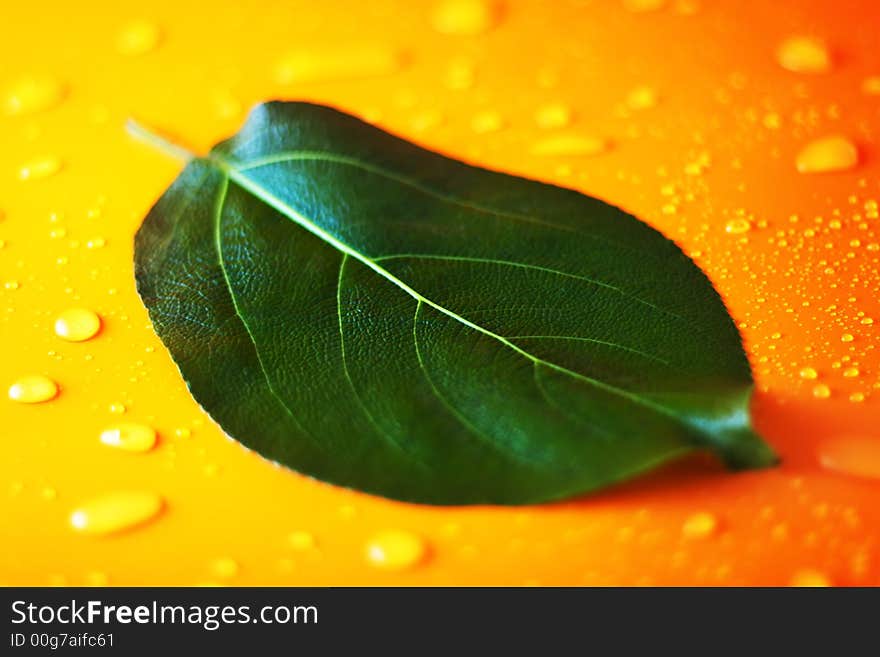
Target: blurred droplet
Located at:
point(39, 168)
point(465, 17)
point(803, 54)
point(834, 153)
point(137, 37)
point(32, 94)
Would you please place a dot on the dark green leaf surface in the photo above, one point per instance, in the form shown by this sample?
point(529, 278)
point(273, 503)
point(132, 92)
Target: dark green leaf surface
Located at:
point(381, 317)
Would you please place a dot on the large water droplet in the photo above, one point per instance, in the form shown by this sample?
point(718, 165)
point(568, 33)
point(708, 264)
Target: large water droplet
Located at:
point(77, 324)
point(852, 455)
point(130, 437)
point(116, 512)
point(465, 17)
point(33, 389)
point(32, 94)
point(39, 168)
point(395, 550)
point(833, 153)
point(810, 577)
point(570, 145)
point(801, 54)
point(700, 525)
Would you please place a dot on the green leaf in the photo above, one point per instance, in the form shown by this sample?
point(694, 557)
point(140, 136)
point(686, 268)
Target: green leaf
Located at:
point(381, 317)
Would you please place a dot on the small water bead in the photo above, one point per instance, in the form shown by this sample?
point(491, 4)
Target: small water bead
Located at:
point(810, 578)
point(32, 94)
point(77, 324)
point(832, 153)
point(857, 397)
point(33, 389)
point(852, 455)
point(851, 372)
point(337, 64)
point(116, 512)
point(301, 540)
point(802, 54)
point(116, 408)
point(553, 115)
point(846, 337)
point(465, 17)
point(130, 437)
point(487, 121)
point(395, 550)
point(570, 145)
point(137, 37)
point(40, 168)
point(821, 391)
point(809, 373)
point(700, 525)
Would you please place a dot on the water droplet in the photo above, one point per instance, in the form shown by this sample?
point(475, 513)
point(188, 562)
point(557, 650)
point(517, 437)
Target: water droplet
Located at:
point(130, 437)
point(852, 455)
point(810, 577)
point(809, 373)
point(857, 397)
point(33, 389)
point(821, 391)
point(395, 550)
point(300, 540)
point(871, 85)
point(32, 94)
point(77, 324)
point(97, 578)
point(846, 337)
point(802, 54)
point(116, 512)
point(738, 226)
point(851, 372)
point(700, 525)
point(137, 38)
point(337, 64)
point(834, 153)
point(553, 115)
point(116, 408)
point(641, 97)
point(39, 168)
point(460, 75)
point(487, 121)
point(224, 567)
point(465, 17)
point(96, 243)
point(642, 6)
point(570, 145)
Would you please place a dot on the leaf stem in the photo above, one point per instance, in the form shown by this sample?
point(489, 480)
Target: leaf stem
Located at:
point(148, 136)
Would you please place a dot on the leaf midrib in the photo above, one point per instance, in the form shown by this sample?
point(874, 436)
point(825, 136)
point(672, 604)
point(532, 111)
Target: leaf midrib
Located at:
point(284, 208)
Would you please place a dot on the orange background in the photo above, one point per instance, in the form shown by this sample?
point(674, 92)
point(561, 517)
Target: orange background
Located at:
point(793, 285)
